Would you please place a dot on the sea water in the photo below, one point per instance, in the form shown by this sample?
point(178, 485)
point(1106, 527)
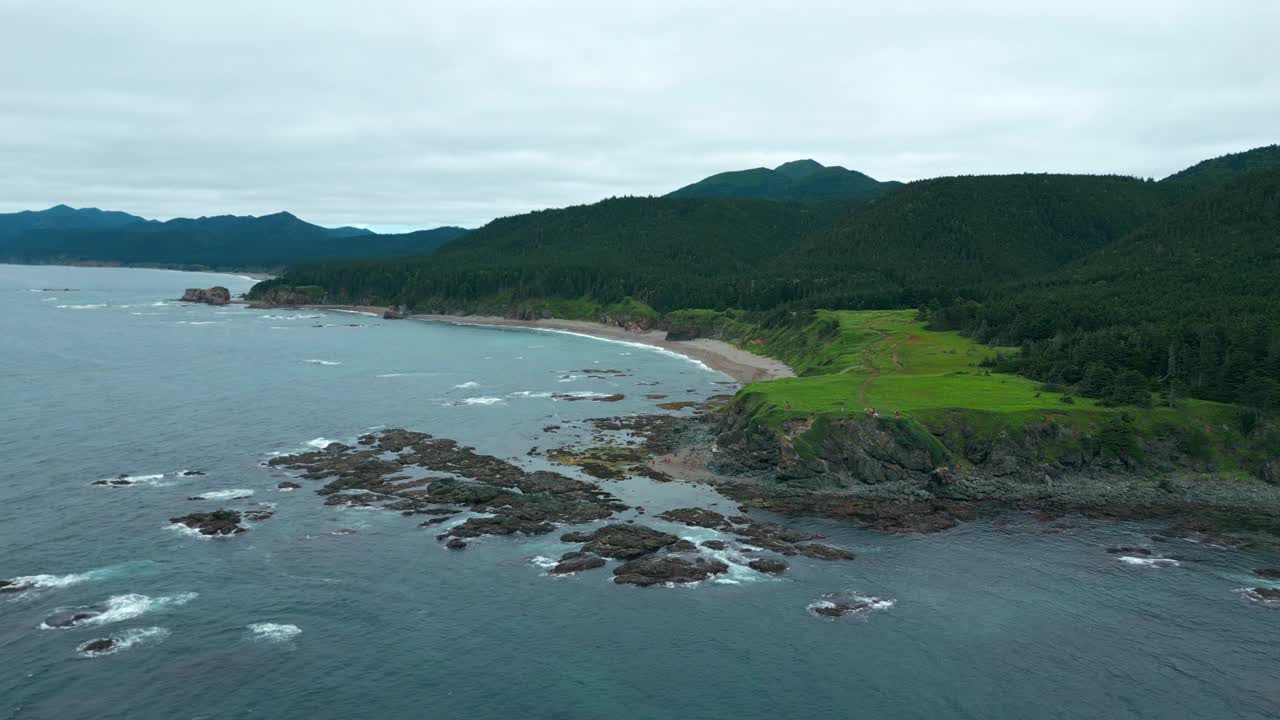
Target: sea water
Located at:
point(103, 374)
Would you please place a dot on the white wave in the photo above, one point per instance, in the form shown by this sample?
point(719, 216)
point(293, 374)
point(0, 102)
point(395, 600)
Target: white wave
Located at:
point(358, 312)
point(543, 562)
point(629, 343)
point(51, 582)
point(190, 531)
point(468, 384)
point(481, 401)
point(159, 303)
point(275, 632)
point(584, 394)
point(319, 443)
point(322, 362)
point(224, 494)
point(48, 299)
point(568, 378)
point(128, 607)
point(289, 317)
point(1148, 561)
point(390, 375)
point(83, 307)
point(145, 313)
point(198, 322)
point(128, 639)
point(530, 394)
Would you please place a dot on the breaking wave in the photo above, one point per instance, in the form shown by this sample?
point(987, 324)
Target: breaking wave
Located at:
point(128, 607)
point(274, 632)
point(314, 361)
point(234, 494)
point(96, 306)
point(1148, 561)
point(468, 384)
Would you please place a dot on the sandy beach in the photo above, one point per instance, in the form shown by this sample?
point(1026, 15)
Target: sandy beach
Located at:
point(743, 366)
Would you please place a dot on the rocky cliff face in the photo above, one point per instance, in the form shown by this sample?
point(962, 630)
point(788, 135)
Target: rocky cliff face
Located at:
point(1044, 464)
point(216, 295)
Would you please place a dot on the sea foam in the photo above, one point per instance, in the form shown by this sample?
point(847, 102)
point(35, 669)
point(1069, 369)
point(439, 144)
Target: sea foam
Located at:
point(274, 632)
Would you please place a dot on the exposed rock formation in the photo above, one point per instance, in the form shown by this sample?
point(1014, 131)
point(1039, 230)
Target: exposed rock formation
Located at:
point(216, 295)
point(218, 522)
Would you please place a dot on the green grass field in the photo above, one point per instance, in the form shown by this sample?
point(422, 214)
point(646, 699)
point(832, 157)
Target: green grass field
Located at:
point(848, 361)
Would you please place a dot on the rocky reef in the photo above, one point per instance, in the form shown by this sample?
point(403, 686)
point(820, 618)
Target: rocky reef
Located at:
point(216, 295)
point(218, 522)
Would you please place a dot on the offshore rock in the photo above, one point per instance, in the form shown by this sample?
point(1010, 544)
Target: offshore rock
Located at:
point(666, 569)
point(572, 562)
point(218, 522)
point(621, 541)
point(216, 295)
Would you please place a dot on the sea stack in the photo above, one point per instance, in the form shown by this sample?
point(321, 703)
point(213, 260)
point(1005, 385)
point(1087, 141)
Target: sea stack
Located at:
point(216, 295)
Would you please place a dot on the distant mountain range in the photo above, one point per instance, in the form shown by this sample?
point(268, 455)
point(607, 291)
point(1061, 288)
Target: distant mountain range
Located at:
point(804, 180)
point(89, 235)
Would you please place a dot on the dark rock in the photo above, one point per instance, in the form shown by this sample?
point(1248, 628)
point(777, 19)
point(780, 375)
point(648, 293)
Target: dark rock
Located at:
point(714, 544)
point(577, 563)
point(767, 565)
point(192, 473)
point(456, 544)
point(218, 522)
point(824, 552)
point(648, 571)
point(256, 515)
point(839, 604)
point(678, 404)
point(624, 542)
point(609, 398)
point(216, 295)
point(114, 483)
point(1267, 593)
point(1267, 572)
point(682, 546)
point(354, 499)
point(1128, 550)
point(697, 517)
point(97, 647)
point(288, 485)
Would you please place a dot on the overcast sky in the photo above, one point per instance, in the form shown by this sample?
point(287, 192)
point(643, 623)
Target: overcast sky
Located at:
point(418, 114)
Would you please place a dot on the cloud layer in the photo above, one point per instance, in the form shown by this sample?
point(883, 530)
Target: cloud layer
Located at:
point(423, 113)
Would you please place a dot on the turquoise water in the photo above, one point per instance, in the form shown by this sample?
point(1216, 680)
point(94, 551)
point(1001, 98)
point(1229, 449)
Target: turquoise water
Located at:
point(290, 620)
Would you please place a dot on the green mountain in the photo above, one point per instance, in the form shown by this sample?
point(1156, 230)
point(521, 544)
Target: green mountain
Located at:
point(62, 234)
point(1211, 174)
point(805, 180)
point(61, 217)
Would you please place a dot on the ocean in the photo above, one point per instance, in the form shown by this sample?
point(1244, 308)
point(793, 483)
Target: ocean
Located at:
point(344, 612)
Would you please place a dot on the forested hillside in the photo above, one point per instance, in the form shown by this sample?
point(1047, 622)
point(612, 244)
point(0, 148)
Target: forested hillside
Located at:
point(62, 234)
point(1114, 286)
point(669, 253)
point(1189, 303)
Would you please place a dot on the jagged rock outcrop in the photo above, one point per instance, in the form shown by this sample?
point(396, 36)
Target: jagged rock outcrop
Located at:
point(216, 295)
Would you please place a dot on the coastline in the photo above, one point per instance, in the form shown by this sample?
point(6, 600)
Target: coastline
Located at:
point(744, 367)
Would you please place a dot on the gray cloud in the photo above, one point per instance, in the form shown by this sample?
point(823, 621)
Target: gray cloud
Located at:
point(422, 114)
